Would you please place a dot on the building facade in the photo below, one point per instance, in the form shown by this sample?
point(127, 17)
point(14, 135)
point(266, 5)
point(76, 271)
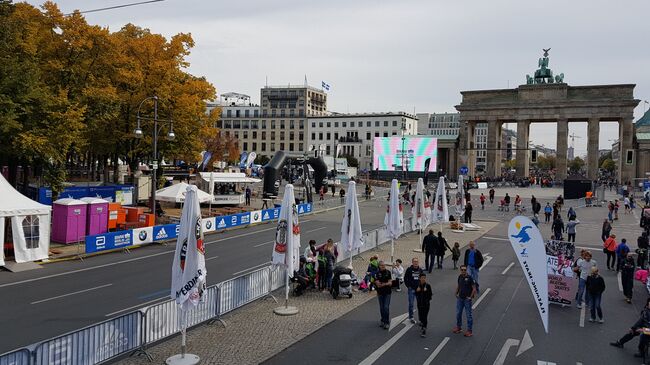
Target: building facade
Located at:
point(354, 133)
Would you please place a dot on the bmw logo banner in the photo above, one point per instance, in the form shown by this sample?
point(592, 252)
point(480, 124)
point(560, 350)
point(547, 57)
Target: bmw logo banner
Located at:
point(142, 235)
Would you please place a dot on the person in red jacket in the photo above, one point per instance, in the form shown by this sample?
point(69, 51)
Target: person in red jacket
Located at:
point(609, 247)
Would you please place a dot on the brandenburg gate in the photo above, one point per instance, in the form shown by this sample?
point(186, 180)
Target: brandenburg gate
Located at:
point(547, 99)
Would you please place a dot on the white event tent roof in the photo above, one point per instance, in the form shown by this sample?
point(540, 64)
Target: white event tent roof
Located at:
point(13, 203)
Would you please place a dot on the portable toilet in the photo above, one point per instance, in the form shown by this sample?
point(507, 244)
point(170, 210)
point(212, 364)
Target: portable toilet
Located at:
point(68, 220)
point(97, 215)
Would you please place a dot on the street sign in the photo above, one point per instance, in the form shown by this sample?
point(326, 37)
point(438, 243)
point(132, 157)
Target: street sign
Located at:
point(464, 170)
point(155, 165)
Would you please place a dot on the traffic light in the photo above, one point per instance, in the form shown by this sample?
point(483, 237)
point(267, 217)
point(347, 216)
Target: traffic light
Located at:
point(533, 156)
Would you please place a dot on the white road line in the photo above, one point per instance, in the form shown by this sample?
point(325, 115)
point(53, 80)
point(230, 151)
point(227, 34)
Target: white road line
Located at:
point(619, 280)
point(436, 351)
point(495, 238)
point(394, 322)
point(69, 294)
point(250, 268)
point(540, 362)
point(583, 310)
point(137, 306)
point(488, 259)
point(212, 258)
point(383, 348)
point(478, 301)
point(263, 243)
point(578, 363)
point(507, 268)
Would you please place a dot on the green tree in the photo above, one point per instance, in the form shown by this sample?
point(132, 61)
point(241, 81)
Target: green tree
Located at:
point(576, 164)
point(546, 162)
point(510, 164)
point(609, 165)
point(604, 157)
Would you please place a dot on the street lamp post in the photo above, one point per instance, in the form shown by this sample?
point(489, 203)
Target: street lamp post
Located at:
point(139, 134)
point(403, 152)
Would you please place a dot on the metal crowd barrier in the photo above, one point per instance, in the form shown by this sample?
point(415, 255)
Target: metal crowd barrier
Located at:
point(18, 357)
point(133, 332)
point(94, 344)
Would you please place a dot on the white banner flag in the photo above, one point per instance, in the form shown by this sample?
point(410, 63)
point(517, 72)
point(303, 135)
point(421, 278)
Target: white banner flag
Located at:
point(286, 249)
point(420, 217)
point(351, 233)
point(394, 216)
point(529, 248)
point(188, 272)
point(441, 211)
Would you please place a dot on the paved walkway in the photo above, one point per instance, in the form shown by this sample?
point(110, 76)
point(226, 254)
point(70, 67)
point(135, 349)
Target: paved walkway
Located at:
point(254, 334)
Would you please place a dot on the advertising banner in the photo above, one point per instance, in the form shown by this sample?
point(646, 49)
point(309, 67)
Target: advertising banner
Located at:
point(529, 247)
point(243, 219)
point(208, 224)
point(142, 235)
point(223, 222)
point(109, 241)
point(165, 232)
point(304, 208)
point(562, 284)
point(270, 214)
point(256, 216)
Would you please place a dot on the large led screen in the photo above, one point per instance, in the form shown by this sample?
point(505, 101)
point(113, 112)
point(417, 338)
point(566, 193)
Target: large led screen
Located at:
point(391, 153)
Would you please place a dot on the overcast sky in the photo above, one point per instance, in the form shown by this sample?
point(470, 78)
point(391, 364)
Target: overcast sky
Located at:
point(405, 55)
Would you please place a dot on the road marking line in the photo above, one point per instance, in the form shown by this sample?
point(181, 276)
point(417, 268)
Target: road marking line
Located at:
point(383, 348)
point(488, 259)
point(137, 306)
point(251, 268)
point(69, 294)
point(495, 238)
point(263, 243)
point(212, 258)
point(507, 268)
point(578, 363)
point(155, 294)
point(540, 362)
point(397, 320)
point(583, 310)
point(436, 351)
point(478, 301)
point(619, 280)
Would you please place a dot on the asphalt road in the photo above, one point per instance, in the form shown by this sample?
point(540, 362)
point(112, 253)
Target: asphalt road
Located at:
point(66, 296)
point(505, 313)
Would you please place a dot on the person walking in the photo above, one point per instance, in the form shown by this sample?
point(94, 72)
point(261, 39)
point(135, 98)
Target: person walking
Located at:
point(383, 282)
point(547, 212)
point(491, 194)
point(482, 199)
point(621, 253)
point(466, 290)
point(583, 268)
point(635, 330)
point(557, 227)
point(473, 262)
point(627, 276)
point(411, 281)
point(429, 244)
point(609, 248)
point(507, 200)
point(455, 254)
point(441, 249)
point(571, 229)
point(468, 212)
point(248, 195)
point(642, 243)
point(571, 213)
point(342, 195)
point(330, 260)
point(423, 296)
point(607, 229)
point(595, 286)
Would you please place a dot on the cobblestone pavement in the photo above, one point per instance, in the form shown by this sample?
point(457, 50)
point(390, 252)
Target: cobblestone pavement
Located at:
point(253, 333)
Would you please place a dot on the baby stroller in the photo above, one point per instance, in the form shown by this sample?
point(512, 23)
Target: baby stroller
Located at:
point(342, 282)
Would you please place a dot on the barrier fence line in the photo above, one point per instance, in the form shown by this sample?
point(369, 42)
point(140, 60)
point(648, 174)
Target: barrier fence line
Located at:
point(132, 332)
point(18, 357)
point(93, 344)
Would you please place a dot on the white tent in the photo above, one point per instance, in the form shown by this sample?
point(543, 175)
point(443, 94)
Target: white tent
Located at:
point(30, 224)
point(176, 194)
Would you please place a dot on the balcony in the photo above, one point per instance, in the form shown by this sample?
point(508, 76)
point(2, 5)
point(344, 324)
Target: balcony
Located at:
point(349, 139)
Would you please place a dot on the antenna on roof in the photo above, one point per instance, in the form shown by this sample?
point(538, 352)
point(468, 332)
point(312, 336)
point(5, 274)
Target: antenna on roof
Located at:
point(306, 80)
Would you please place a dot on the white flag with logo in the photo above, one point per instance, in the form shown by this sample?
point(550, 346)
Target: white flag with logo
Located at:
point(394, 215)
point(351, 233)
point(530, 250)
point(441, 210)
point(286, 249)
point(420, 217)
point(188, 271)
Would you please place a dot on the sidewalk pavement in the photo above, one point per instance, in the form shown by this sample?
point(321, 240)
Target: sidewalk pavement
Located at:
point(253, 333)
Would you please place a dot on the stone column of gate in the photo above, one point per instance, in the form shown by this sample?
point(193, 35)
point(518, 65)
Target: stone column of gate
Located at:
point(562, 146)
point(493, 152)
point(593, 132)
point(471, 142)
point(463, 146)
point(522, 148)
point(626, 172)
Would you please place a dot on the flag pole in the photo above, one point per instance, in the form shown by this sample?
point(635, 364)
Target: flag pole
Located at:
point(392, 250)
point(183, 333)
point(286, 288)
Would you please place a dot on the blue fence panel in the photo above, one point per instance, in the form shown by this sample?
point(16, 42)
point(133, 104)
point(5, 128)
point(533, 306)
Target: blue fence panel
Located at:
point(165, 232)
point(94, 344)
point(18, 357)
point(223, 222)
point(109, 241)
point(304, 208)
point(270, 214)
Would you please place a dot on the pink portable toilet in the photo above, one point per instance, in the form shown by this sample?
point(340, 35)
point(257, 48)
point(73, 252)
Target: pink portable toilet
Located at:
point(68, 220)
point(97, 215)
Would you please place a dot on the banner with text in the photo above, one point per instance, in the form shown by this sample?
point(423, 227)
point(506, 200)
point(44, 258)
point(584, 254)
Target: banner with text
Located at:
point(561, 281)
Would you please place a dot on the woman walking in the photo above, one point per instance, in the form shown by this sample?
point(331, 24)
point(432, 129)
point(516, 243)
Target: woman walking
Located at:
point(330, 260)
point(609, 247)
point(595, 289)
point(607, 228)
point(627, 277)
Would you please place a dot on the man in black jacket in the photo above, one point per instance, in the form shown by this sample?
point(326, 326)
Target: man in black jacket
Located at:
point(473, 261)
point(412, 281)
point(643, 322)
point(429, 244)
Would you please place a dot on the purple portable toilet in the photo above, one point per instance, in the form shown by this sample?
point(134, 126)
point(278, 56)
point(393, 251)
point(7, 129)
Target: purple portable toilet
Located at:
point(68, 220)
point(97, 221)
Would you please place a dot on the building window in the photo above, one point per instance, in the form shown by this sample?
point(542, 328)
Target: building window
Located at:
point(263, 146)
point(256, 113)
point(254, 134)
point(263, 124)
point(313, 136)
point(368, 136)
point(394, 133)
point(313, 124)
point(301, 136)
point(300, 147)
point(282, 124)
point(376, 134)
point(282, 135)
point(336, 136)
point(245, 134)
point(320, 124)
point(273, 124)
point(352, 124)
point(394, 123)
point(291, 135)
point(31, 231)
point(385, 134)
point(273, 135)
point(385, 123)
point(329, 136)
point(320, 136)
point(329, 124)
point(290, 146)
point(272, 146)
point(292, 124)
point(336, 124)
point(229, 113)
point(344, 124)
point(368, 124)
point(282, 146)
point(301, 124)
point(245, 146)
point(376, 123)
point(264, 135)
